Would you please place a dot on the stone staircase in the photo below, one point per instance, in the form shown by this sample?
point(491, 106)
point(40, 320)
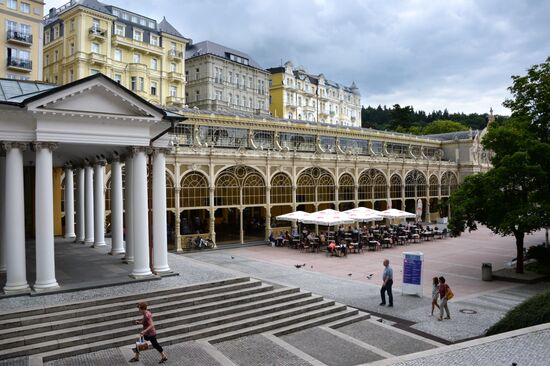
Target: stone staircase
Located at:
point(215, 311)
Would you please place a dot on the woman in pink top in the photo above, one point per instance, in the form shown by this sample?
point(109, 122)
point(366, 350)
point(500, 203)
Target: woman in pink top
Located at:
point(149, 333)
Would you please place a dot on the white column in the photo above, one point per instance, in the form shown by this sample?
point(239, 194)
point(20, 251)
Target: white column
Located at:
point(117, 231)
point(89, 205)
point(45, 248)
point(69, 203)
point(14, 223)
point(80, 216)
point(160, 245)
point(128, 210)
point(140, 214)
point(2, 213)
point(99, 204)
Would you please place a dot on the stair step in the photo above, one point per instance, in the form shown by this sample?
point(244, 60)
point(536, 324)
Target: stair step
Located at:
point(96, 302)
point(349, 320)
point(122, 327)
point(127, 305)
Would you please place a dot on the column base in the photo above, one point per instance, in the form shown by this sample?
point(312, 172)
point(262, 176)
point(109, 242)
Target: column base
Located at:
point(100, 244)
point(161, 270)
point(128, 260)
point(117, 252)
point(139, 276)
point(44, 287)
point(17, 289)
point(69, 236)
point(166, 273)
point(79, 240)
point(89, 241)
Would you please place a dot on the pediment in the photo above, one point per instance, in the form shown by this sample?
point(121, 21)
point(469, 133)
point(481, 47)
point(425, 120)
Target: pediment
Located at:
point(96, 96)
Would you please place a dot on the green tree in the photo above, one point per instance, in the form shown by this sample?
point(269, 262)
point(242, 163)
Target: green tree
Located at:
point(531, 98)
point(443, 126)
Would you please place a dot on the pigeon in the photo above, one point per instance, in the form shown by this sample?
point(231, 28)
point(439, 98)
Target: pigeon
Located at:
point(311, 266)
point(232, 257)
point(349, 274)
point(298, 265)
point(369, 276)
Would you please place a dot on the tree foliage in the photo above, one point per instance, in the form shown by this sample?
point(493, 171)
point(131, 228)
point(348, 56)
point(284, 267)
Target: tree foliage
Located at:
point(513, 198)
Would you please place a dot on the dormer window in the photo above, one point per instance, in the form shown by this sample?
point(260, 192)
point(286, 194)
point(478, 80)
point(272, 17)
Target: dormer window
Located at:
point(138, 35)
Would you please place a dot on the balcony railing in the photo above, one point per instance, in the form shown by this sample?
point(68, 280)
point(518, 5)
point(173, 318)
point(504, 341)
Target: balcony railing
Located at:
point(172, 100)
point(97, 58)
point(175, 76)
point(175, 54)
point(96, 32)
point(19, 63)
point(19, 37)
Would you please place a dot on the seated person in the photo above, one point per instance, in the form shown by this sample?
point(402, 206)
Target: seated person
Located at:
point(280, 239)
point(343, 248)
point(272, 240)
point(332, 247)
point(322, 239)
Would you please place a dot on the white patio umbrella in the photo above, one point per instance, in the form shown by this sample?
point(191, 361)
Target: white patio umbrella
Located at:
point(364, 214)
point(328, 217)
point(393, 213)
point(294, 216)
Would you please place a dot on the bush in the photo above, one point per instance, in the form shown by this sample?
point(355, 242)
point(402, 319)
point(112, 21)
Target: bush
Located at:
point(540, 253)
point(533, 311)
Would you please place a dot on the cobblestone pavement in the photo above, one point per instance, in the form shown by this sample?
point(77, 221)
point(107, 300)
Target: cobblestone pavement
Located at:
point(106, 357)
point(529, 349)
point(329, 349)
point(19, 361)
point(258, 350)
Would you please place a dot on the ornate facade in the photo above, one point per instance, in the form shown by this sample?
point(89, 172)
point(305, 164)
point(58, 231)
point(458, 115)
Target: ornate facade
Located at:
point(86, 37)
point(21, 41)
point(226, 80)
point(297, 95)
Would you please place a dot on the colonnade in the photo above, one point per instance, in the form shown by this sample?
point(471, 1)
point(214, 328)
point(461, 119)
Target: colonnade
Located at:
point(86, 222)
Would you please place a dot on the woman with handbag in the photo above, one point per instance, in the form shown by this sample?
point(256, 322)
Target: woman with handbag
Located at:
point(444, 296)
point(149, 333)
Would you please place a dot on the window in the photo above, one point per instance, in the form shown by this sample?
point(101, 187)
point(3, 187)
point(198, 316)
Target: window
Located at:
point(95, 47)
point(138, 35)
point(95, 24)
point(173, 67)
point(118, 78)
point(154, 40)
point(230, 77)
point(137, 58)
point(154, 63)
point(133, 83)
point(55, 55)
point(134, 19)
point(153, 88)
point(12, 4)
point(47, 62)
point(142, 21)
point(12, 26)
point(56, 32)
point(125, 16)
point(173, 46)
point(71, 49)
point(116, 13)
point(197, 96)
point(94, 71)
point(141, 84)
point(119, 29)
point(173, 91)
point(152, 24)
point(47, 37)
point(25, 8)
point(118, 54)
point(219, 95)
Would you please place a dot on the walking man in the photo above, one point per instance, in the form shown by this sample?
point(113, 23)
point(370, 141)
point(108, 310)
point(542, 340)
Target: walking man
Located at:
point(387, 277)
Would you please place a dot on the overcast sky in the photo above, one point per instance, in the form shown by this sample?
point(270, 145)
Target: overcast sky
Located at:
point(430, 54)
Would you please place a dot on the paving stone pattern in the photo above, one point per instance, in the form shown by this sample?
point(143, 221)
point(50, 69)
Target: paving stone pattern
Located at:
point(188, 354)
point(259, 351)
point(107, 357)
point(329, 349)
point(19, 361)
point(383, 338)
point(533, 352)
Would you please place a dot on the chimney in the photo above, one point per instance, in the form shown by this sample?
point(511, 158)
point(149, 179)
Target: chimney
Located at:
point(52, 12)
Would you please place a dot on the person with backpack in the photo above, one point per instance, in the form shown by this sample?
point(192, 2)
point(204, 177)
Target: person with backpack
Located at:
point(445, 294)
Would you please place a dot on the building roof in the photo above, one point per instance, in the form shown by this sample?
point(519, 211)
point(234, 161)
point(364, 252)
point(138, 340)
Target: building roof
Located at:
point(459, 135)
point(166, 27)
point(211, 48)
point(14, 90)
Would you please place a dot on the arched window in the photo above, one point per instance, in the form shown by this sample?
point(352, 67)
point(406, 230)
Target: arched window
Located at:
point(372, 185)
point(194, 191)
point(415, 184)
point(281, 189)
point(170, 194)
point(448, 183)
point(346, 188)
point(395, 186)
point(315, 185)
point(239, 184)
point(434, 186)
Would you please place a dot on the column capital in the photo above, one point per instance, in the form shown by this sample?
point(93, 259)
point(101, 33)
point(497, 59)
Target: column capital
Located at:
point(161, 150)
point(8, 145)
point(100, 162)
point(68, 166)
point(132, 150)
point(37, 145)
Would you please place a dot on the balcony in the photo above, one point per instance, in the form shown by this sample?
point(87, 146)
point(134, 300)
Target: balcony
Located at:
point(175, 76)
point(173, 100)
point(135, 68)
point(96, 58)
point(19, 64)
point(96, 33)
point(19, 38)
point(175, 55)
point(134, 45)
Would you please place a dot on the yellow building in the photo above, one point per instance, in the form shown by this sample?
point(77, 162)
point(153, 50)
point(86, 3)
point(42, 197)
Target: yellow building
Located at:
point(296, 94)
point(85, 37)
point(21, 25)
